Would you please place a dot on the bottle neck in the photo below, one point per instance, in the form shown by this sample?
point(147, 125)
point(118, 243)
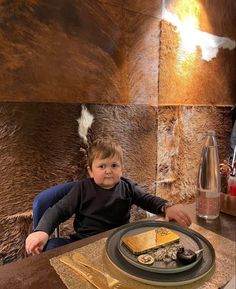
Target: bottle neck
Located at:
point(211, 141)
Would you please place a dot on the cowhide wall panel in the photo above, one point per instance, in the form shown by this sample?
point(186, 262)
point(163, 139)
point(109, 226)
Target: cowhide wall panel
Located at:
point(101, 52)
point(181, 135)
point(40, 147)
point(188, 79)
point(150, 7)
point(79, 51)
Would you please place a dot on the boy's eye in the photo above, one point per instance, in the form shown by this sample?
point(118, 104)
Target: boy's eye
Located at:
point(102, 166)
point(115, 165)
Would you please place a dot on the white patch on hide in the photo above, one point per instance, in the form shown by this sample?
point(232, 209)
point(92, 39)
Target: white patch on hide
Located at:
point(85, 121)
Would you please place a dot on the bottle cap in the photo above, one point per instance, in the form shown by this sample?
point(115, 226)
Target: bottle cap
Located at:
point(211, 132)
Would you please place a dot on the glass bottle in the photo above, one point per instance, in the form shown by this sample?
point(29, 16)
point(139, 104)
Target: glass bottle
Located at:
point(208, 182)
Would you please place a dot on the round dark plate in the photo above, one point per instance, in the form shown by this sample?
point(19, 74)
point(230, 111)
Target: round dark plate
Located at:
point(188, 240)
point(203, 267)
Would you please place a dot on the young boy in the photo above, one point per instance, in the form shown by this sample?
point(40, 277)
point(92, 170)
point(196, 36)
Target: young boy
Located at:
point(101, 202)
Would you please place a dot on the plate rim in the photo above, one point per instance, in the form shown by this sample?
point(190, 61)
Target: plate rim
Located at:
point(149, 279)
point(163, 270)
point(160, 283)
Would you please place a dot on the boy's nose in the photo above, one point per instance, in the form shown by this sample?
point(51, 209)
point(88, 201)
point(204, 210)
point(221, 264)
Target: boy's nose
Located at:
point(108, 170)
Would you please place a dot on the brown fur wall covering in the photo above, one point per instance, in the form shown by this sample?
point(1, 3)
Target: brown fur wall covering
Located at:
point(181, 134)
point(79, 51)
point(187, 79)
point(14, 230)
point(101, 52)
point(40, 147)
point(35, 138)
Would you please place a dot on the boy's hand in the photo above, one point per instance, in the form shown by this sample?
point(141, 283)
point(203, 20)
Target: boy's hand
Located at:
point(178, 214)
point(35, 242)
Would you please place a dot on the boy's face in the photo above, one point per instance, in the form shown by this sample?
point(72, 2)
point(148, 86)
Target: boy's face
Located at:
point(106, 172)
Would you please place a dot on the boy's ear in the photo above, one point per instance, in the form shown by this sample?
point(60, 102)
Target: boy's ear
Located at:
point(89, 172)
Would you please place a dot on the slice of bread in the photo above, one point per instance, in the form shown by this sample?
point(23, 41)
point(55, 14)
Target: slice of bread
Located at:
point(152, 239)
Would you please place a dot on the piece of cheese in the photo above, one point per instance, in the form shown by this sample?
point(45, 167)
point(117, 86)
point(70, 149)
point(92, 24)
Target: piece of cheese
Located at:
point(152, 239)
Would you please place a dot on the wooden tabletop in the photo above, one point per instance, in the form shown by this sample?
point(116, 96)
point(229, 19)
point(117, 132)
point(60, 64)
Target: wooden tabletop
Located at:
point(36, 272)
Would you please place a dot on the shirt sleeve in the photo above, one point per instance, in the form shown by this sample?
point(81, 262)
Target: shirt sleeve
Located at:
point(146, 201)
point(60, 212)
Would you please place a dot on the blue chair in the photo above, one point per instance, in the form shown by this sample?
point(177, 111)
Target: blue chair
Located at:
point(48, 198)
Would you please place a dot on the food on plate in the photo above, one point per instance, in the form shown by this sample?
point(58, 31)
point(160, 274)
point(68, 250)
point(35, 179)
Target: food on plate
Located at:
point(146, 259)
point(152, 239)
point(186, 256)
point(168, 253)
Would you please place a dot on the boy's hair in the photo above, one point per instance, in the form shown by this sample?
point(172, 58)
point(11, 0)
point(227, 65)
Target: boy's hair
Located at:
point(104, 149)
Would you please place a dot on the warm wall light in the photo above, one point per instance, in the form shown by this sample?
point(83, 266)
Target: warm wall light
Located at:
point(186, 20)
point(188, 36)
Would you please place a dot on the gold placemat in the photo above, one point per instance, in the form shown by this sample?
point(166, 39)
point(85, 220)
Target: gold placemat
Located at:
point(95, 255)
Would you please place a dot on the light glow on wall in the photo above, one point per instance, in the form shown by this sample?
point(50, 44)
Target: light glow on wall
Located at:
point(186, 20)
point(187, 12)
point(188, 36)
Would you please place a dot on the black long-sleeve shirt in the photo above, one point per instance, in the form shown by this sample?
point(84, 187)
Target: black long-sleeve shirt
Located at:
point(97, 209)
